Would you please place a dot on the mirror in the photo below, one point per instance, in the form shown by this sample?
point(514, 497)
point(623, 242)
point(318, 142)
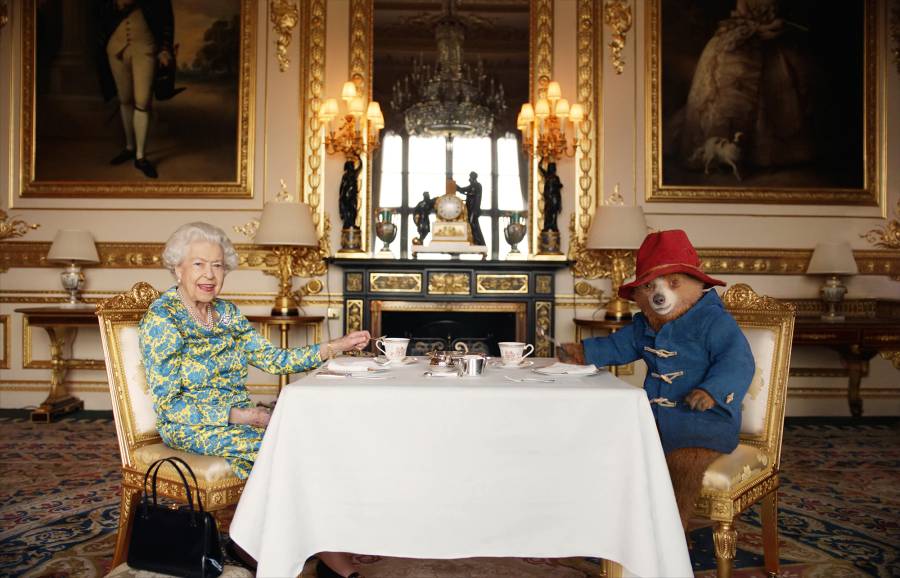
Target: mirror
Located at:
point(494, 54)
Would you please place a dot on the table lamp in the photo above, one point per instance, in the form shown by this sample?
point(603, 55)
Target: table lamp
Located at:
point(833, 260)
point(75, 248)
point(285, 226)
point(617, 231)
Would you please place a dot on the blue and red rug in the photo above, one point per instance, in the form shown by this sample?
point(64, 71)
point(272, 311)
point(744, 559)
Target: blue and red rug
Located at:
point(839, 508)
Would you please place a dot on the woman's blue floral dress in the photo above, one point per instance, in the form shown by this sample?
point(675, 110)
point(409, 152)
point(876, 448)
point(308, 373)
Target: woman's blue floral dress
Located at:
point(196, 375)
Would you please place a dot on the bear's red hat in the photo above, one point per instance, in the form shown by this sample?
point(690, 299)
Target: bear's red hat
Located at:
point(663, 253)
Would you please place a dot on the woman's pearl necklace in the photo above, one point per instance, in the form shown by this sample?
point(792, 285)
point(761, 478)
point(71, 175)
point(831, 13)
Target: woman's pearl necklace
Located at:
point(195, 313)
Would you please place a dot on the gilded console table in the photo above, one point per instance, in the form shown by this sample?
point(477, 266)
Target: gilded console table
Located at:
point(61, 325)
point(284, 323)
point(857, 340)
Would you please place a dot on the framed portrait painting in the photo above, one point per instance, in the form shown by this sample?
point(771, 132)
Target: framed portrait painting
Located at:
point(137, 98)
point(762, 101)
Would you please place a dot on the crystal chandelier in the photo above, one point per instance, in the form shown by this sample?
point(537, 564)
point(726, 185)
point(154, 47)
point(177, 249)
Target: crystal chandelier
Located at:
point(450, 98)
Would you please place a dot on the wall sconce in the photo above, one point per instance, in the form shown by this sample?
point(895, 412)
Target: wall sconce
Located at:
point(832, 260)
point(355, 136)
point(73, 247)
point(546, 122)
point(616, 232)
point(287, 227)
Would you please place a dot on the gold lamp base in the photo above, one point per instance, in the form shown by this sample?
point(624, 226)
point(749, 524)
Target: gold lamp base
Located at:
point(617, 309)
point(285, 306)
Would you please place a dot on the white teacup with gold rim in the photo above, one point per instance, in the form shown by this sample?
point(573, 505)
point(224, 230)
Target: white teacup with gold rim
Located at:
point(514, 352)
point(393, 348)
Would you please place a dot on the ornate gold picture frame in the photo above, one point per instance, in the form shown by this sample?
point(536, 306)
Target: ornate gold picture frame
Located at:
point(762, 102)
point(95, 74)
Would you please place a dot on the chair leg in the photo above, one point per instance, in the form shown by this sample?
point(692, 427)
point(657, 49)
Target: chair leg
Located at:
point(126, 513)
point(725, 540)
point(770, 531)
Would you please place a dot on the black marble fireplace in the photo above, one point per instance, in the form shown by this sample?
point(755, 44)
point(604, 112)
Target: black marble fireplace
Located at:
point(438, 304)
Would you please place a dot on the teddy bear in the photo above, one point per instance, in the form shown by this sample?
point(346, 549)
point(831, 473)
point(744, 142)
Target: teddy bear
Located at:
point(699, 364)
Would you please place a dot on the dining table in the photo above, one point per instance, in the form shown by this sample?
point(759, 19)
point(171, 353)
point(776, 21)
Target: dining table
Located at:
point(510, 463)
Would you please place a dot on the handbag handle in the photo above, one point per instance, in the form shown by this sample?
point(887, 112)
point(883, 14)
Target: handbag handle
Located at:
point(193, 477)
point(154, 467)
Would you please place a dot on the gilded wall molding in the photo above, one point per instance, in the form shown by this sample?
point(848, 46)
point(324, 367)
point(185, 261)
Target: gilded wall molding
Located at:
point(722, 261)
point(284, 16)
point(361, 55)
point(541, 47)
point(4, 336)
point(543, 327)
point(312, 81)
point(894, 30)
point(14, 228)
point(887, 236)
point(587, 157)
point(617, 15)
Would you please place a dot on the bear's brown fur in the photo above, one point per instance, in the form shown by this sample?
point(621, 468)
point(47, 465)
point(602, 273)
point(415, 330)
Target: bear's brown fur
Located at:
point(675, 294)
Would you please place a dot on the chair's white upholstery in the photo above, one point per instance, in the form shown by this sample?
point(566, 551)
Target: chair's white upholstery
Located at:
point(138, 395)
point(753, 408)
point(207, 468)
point(125, 571)
point(729, 470)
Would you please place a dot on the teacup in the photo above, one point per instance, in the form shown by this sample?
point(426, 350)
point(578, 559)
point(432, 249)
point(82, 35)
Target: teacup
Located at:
point(513, 352)
point(393, 348)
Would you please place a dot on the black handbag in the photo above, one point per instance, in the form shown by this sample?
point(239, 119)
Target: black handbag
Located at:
point(179, 541)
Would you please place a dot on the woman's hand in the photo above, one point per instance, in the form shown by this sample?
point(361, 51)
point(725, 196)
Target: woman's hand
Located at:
point(255, 416)
point(356, 340)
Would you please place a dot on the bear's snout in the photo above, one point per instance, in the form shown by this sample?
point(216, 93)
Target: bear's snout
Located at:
point(659, 299)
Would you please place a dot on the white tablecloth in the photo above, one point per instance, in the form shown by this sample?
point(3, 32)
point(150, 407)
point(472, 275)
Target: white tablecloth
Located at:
point(460, 467)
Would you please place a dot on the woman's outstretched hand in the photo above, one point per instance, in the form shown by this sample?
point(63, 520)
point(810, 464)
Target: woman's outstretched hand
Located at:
point(255, 416)
point(356, 340)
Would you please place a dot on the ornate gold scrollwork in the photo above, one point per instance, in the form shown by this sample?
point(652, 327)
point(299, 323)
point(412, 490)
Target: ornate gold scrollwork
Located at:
point(354, 282)
point(138, 298)
point(284, 16)
point(395, 282)
point(15, 228)
point(893, 356)
point(617, 15)
point(542, 321)
point(887, 236)
point(314, 24)
point(449, 283)
point(586, 157)
point(541, 71)
point(742, 296)
point(501, 283)
point(354, 315)
point(543, 284)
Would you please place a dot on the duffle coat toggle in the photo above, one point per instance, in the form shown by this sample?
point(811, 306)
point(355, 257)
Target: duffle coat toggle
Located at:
point(664, 353)
point(668, 377)
point(663, 402)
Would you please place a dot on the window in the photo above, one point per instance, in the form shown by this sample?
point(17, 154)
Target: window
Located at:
point(410, 166)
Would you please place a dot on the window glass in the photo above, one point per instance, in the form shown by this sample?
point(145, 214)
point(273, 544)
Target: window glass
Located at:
point(473, 155)
point(509, 185)
point(391, 185)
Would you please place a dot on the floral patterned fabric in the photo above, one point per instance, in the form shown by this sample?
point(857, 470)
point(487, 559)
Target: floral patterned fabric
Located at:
point(196, 375)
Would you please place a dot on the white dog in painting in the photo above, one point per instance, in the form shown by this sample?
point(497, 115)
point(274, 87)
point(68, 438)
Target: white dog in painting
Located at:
point(720, 150)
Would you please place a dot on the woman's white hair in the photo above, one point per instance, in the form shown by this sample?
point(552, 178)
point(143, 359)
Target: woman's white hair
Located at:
point(176, 246)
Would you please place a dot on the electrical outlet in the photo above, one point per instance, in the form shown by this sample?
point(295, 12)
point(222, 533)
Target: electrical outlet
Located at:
point(333, 313)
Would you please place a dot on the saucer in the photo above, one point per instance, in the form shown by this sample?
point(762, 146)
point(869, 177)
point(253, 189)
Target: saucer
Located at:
point(522, 364)
point(408, 360)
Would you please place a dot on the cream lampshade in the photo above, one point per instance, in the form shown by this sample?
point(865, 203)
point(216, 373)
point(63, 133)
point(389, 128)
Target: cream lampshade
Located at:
point(832, 259)
point(617, 231)
point(286, 226)
point(74, 247)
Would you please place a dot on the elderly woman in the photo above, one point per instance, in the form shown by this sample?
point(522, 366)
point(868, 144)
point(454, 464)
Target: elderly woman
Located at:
point(196, 349)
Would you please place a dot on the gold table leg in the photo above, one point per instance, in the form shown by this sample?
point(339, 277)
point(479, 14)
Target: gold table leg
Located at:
point(59, 401)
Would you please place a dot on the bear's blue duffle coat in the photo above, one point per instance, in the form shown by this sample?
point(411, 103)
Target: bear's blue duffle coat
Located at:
point(704, 348)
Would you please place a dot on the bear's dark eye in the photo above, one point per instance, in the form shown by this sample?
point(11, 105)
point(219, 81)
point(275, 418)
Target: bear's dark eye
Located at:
point(673, 283)
point(648, 286)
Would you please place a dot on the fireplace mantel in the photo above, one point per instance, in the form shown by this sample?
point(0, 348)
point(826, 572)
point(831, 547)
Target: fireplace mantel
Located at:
point(372, 286)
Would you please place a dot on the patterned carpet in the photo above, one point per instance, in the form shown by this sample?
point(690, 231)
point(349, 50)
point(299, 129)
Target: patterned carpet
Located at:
point(839, 508)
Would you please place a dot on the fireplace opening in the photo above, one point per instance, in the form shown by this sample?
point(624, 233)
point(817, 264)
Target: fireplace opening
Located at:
point(431, 325)
point(429, 331)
